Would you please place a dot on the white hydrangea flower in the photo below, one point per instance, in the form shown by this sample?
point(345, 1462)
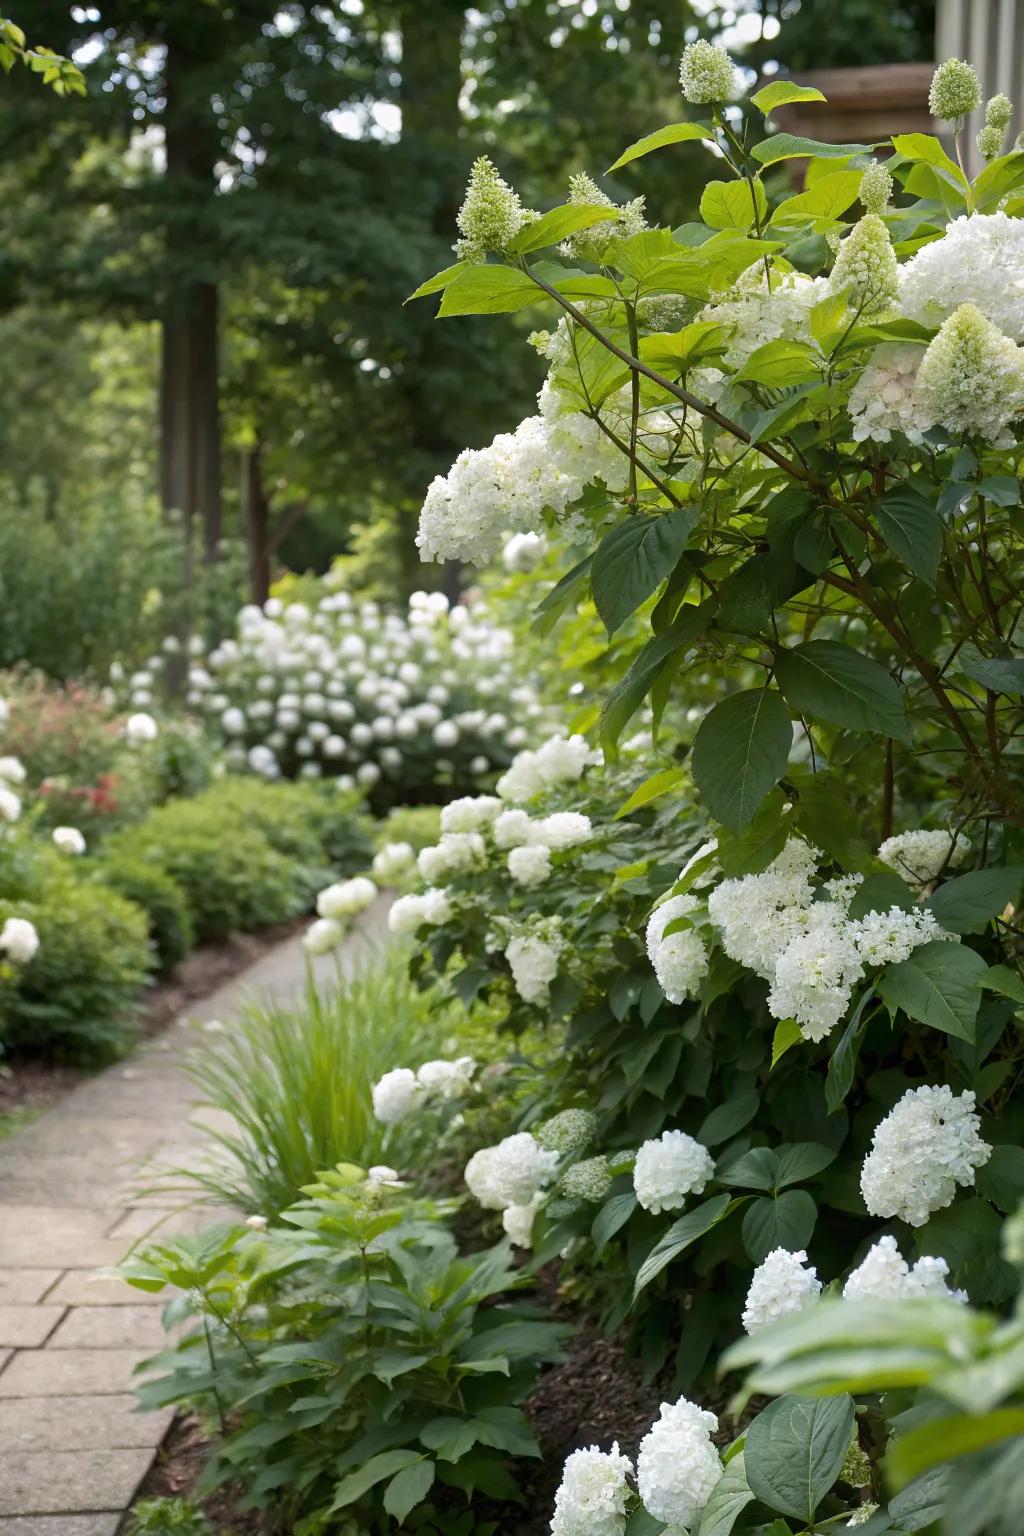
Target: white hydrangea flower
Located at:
point(926, 1146)
point(396, 1095)
point(530, 865)
point(971, 378)
point(534, 966)
point(393, 862)
point(562, 759)
point(456, 853)
point(447, 1079)
point(69, 840)
point(921, 856)
point(517, 1220)
point(322, 936)
point(886, 938)
point(523, 551)
point(437, 908)
point(980, 261)
point(510, 1173)
point(591, 1498)
point(346, 898)
point(865, 269)
point(706, 73)
point(680, 961)
point(678, 1466)
point(884, 1275)
point(407, 914)
point(470, 813)
point(782, 1283)
point(12, 770)
point(513, 828)
point(10, 804)
point(758, 915)
point(670, 1168)
point(140, 729)
point(816, 972)
point(885, 400)
point(19, 940)
point(562, 829)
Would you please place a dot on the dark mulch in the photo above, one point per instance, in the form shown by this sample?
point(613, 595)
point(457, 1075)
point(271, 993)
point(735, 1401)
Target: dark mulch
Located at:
point(32, 1083)
point(176, 1471)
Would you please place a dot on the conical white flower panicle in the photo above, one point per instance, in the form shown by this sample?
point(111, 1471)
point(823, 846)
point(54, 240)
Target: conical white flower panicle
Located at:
point(971, 378)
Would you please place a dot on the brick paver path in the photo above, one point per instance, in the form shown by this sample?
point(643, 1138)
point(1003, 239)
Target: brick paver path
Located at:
point(72, 1450)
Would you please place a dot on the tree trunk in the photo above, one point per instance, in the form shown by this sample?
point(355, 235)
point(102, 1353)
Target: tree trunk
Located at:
point(256, 516)
point(189, 381)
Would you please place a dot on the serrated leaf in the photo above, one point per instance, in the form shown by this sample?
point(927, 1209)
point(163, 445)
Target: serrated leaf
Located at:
point(408, 1488)
point(733, 204)
point(558, 223)
point(370, 1473)
point(633, 560)
point(828, 681)
point(740, 752)
point(912, 528)
point(938, 985)
point(488, 289)
point(1002, 674)
point(729, 1498)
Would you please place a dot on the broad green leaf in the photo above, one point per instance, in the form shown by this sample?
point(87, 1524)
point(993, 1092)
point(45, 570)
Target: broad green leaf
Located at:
point(370, 1473)
point(733, 204)
point(661, 783)
point(488, 289)
point(1001, 1179)
point(788, 146)
point(408, 1488)
point(778, 1221)
point(628, 694)
point(828, 199)
point(439, 281)
point(828, 681)
point(787, 1033)
point(912, 528)
point(729, 1498)
point(674, 133)
point(570, 587)
point(612, 1215)
point(1001, 979)
point(676, 351)
point(740, 752)
point(801, 1160)
point(679, 1237)
point(781, 92)
point(794, 1450)
point(938, 985)
point(1002, 674)
point(960, 1434)
point(839, 1079)
point(728, 1118)
point(558, 223)
point(925, 148)
point(633, 560)
point(779, 364)
point(968, 903)
point(879, 892)
point(756, 1169)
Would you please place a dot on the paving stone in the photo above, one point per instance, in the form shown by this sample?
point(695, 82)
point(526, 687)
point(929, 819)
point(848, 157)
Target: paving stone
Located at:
point(110, 1328)
point(52, 1482)
point(27, 1327)
point(84, 1288)
point(59, 1247)
point(69, 1373)
point(31, 1220)
point(159, 1223)
point(60, 1525)
point(23, 1287)
point(79, 1424)
point(5, 1355)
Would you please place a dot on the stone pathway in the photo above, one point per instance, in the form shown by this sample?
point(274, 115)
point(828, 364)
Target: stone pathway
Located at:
point(72, 1450)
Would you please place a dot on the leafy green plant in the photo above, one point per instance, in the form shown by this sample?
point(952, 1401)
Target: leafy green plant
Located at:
point(160, 897)
point(168, 1517)
point(296, 1078)
point(356, 1365)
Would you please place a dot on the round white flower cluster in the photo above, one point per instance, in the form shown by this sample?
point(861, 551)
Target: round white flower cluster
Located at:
point(517, 1221)
point(353, 692)
point(810, 951)
point(547, 462)
point(393, 862)
point(782, 1283)
point(533, 960)
point(19, 940)
point(979, 260)
point(561, 760)
point(680, 959)
point(420, 909)
point(140, 729)
point(884, 1275)
point(921, 856)
point(69, 840)
point(670, 1168)
point(591, 1498)
point(927, 1145)
point(678, 1466)
point(401, 1091)
point(511, 1173)
point(335, 906)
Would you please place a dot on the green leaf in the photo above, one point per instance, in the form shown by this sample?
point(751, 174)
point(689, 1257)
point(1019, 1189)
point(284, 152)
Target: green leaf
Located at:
point(788, 146)
point(833, 682)
point(779, 364)
point(740, 752)
point(675, 133)
point(801, 1160)
point(679, 1237)
point(938, 985)
point(779, 1221)
point(924, 148)
point(1002, 674)
point(828, 199)
point(633, 560)
point(370, 1473)
point(728, 1118)
point(1001, 979)
point(562, 593)
point(781, 92)
point(794, 1450)
point(968, 903)
point(439, 281)
point(611, 1217)
point(1001, 1179)
point(658, 784)
point(676, 351)
point(839, 1079)
point(408, 1488)
point(729, 1498)
point(787, 1033)
point(628, 694)
point(556, 225)
point(960, 1434)
point(912, 528)
point(756, 1169)
point(733, 204)
point(449, 1437)
point(488, 289)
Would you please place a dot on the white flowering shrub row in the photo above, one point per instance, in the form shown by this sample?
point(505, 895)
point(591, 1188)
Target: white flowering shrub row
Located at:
point(773, 960)
point(402, 704)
